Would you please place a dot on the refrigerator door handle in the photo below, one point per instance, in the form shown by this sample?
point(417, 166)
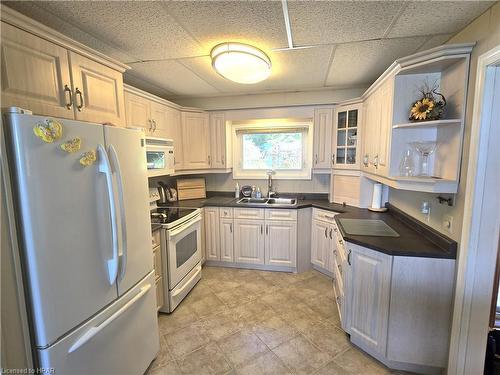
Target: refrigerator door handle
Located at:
point(88, 335)
point(116, 166)
point(105, 167)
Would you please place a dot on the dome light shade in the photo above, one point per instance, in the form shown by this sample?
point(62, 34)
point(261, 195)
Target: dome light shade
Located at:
point(241, 63)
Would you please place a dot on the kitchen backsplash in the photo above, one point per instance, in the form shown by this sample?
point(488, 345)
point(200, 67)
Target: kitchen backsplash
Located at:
point(225, 182)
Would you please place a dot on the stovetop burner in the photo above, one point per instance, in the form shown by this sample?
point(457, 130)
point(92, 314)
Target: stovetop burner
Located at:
point(167, 215)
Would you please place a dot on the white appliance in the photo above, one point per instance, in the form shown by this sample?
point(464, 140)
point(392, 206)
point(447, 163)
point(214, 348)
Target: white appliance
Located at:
point(85, 240)
point(180, 251)
point(160, 156)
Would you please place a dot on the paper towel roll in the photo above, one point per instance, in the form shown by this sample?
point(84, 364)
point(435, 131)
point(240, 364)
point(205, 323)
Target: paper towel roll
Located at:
point(377, 196)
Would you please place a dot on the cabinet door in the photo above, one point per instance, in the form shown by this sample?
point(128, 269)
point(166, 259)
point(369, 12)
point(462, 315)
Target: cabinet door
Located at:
point(323, 136)
point(195, 140)
point(174, 132)
point(159, 119)
point(367, 139)
point(217, 140)
point(35, 74)
point(385, 127)
point(281, 243)
point(346, 136)
point(137, 111)
point(249, 241)
point(212, 239)
point(319, 243)
point(98, 91)
point(369, 297)
point(226, 240)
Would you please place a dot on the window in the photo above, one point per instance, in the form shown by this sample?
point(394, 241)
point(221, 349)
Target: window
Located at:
point(279, 145)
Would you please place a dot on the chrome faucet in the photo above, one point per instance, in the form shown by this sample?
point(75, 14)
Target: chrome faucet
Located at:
point(270, 192)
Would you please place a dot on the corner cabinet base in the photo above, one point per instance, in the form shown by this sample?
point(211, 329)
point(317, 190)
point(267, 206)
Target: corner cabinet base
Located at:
point(400, 366)
point(261, 267)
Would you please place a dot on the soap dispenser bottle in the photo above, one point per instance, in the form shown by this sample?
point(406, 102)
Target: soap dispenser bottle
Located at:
point(237, 190)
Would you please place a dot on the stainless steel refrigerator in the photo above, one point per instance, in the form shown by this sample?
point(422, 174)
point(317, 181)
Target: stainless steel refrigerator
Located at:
point(81, 208)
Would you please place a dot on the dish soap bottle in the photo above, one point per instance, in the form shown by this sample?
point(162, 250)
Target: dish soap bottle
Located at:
point(258, 194)
point(237, 191)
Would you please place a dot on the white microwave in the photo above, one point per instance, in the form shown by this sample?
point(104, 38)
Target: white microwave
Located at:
point(159, 156)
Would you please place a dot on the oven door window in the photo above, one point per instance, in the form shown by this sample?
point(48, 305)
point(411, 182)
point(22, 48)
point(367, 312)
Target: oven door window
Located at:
point(185, 248)
point(156, 159)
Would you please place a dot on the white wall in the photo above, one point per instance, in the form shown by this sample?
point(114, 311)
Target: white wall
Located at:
point(485, 30)
point(330, 96)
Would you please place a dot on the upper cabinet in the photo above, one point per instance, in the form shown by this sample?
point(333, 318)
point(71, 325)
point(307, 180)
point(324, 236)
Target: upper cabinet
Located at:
point(218, 155)
point(397, 151)
point(346, 136)
point(323, 156)
point(98, 91)
point(45, 72)
point(195, 140)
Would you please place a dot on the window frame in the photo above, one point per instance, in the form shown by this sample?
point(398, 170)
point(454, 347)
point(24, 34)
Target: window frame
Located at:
point(260, 174)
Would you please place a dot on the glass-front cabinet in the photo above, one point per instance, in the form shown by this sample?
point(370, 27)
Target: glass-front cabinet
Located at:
point(346, 136)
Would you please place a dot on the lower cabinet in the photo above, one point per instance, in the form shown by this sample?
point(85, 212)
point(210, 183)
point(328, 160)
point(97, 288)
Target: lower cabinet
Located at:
point(249, 241)
point(370, 276)
point(281, 243)
point(212, 238)
point(226, 227)
point(251, 237)
point(398, 308)
point(319, 243)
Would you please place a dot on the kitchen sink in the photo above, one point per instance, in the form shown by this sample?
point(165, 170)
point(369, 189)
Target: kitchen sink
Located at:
point(269, 201)
point(252, 201)
point(282, 201)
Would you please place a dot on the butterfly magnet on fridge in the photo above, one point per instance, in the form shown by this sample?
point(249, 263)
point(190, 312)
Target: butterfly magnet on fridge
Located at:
point(49, 131)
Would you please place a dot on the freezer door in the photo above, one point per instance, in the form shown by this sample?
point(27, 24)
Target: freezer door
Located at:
point(127, 154)
point(123, 339)
point(63, 216)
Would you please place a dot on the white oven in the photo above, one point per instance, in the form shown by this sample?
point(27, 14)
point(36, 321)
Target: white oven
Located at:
point(160, 156)
point(182, 252)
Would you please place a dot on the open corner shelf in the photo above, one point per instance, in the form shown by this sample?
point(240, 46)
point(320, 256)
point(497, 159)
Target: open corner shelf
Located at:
point(428, 124)
point(424, 184)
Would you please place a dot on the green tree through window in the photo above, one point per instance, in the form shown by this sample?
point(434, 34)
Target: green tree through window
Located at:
point(272, 151)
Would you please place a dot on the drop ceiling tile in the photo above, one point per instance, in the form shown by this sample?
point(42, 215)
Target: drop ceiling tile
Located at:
point(435, 41)
point(436, 17)
point(132, 79)
point(174, 77)
point(326, 22)
point(291, 70)
point(143, 29)
point(362, 63)
point(43, 16)
point(259, 23)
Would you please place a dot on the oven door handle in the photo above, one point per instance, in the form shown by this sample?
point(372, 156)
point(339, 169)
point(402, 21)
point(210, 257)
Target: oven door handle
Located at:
point(183, 227)
point(186, 284)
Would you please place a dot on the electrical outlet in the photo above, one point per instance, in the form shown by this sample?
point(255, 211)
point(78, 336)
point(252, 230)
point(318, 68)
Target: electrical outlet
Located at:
point(448, 223)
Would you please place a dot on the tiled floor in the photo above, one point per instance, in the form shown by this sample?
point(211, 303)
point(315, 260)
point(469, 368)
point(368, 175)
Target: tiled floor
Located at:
point(255, 322)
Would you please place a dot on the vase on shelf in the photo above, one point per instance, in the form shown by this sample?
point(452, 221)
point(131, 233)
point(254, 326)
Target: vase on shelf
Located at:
point(424, 149)
point(407, 167)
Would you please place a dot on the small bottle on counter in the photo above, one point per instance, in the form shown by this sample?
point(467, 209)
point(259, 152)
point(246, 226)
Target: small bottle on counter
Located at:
point(254, 191)
point(237, 190)
point(258, 194)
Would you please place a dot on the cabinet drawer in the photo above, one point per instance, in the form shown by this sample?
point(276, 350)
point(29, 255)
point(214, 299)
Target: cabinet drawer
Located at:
point(279, 214)
point(156, 238)
point(226, 212)
point(249, 213)
point(159, 293)
point(323, 215)
point(157, 261)
point(339, 243)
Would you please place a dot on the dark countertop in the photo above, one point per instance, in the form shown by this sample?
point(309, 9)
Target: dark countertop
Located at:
point(415, 238)
point(155, 226)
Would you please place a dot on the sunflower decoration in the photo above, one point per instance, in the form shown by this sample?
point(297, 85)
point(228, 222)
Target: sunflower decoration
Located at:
point(429, 106)
point(421, 109)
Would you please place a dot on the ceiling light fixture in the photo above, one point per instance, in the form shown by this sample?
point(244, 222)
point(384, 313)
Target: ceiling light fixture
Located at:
point(241, 63)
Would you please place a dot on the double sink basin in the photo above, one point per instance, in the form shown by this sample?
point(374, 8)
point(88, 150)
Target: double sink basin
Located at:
point(270, 202)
